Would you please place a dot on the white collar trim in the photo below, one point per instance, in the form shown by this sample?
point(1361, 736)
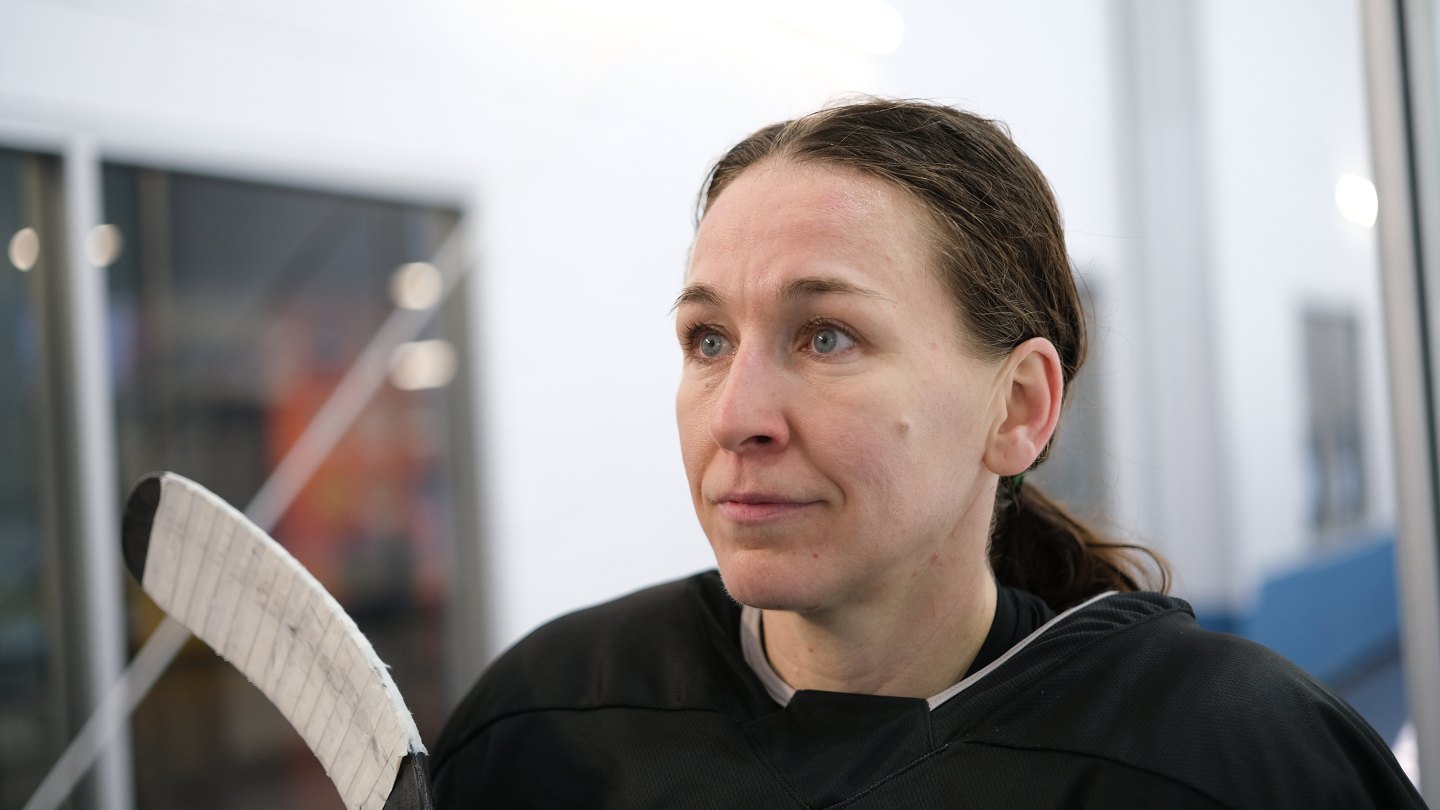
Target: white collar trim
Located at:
point(753, 648)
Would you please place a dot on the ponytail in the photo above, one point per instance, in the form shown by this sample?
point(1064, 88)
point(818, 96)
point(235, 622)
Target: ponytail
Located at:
point(1038, 546)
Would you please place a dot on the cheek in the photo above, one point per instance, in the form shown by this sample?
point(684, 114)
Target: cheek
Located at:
point(909, 442)
point(868, 440)
point(692, 420)
point(953, 438)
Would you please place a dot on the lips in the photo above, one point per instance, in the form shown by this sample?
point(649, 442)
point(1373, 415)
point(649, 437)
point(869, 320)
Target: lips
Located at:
point(760, 507)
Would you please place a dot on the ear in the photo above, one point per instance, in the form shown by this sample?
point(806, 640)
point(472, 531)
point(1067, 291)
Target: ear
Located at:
point(1030, 387)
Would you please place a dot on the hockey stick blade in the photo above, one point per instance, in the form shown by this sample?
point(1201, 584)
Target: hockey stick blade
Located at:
point(207, 566)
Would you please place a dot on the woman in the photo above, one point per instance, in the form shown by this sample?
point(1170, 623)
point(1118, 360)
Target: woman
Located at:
point(878, 324)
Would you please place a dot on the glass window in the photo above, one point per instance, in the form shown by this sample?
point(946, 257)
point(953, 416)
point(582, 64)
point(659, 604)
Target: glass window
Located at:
point(1251, 334)
point(236, 307)
point(33, 721)
point(1336, 430)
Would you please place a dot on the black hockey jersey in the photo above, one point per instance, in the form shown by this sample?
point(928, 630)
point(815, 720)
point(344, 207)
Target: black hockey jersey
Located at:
point(648, 702)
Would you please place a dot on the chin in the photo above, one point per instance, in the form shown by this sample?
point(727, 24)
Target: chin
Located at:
point(771, 580)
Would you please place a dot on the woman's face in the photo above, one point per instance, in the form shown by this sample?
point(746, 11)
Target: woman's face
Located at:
point(832, 425)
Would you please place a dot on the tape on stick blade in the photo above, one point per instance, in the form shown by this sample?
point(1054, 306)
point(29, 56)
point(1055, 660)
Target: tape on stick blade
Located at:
point(238, 590)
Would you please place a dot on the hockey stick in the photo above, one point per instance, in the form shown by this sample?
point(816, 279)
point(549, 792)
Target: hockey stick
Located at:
point(243, 594)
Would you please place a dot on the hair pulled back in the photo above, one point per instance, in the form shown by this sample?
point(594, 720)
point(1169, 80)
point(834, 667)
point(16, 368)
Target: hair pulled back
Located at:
point(1000, 251)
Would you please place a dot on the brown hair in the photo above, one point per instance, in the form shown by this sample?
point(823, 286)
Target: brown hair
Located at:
point(1000, 250)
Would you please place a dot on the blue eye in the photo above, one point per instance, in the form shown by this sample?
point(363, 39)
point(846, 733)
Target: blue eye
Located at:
point(829, 340)
point(711, 345)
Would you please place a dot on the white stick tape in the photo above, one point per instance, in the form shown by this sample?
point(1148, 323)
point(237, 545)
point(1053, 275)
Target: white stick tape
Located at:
point(360, 728)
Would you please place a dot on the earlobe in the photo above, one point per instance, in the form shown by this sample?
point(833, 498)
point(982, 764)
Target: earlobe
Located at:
point(1031, 388)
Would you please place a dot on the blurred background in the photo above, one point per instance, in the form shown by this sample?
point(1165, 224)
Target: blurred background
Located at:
point(209, 209)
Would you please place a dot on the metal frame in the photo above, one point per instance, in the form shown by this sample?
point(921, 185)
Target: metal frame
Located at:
point(102, 611)
point(78, 341)
point(1400, 61)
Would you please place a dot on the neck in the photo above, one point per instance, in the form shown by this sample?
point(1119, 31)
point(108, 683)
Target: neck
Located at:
point(912, 641)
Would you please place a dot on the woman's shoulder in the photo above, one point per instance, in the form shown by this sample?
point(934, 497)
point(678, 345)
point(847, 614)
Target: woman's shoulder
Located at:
point(1133, 679)
point(628, 624)
point(1155, 648)
point(660, 647)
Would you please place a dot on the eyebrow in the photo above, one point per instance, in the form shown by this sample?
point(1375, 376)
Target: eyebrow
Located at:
point(706, 295)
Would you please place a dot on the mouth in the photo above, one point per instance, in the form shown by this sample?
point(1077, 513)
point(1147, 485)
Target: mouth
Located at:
point(758, 507)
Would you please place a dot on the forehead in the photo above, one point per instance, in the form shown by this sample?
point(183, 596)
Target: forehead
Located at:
point(779, 220)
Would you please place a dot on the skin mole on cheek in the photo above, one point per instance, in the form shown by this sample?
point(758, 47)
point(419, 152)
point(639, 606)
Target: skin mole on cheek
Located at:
point(904, 427)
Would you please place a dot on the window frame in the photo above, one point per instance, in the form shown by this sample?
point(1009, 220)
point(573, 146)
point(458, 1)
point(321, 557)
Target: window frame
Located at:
point(1400, 45)
point(95, 636)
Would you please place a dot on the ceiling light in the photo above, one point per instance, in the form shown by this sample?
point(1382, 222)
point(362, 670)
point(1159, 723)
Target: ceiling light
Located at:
point(422, 364)
point(416, 285)
point(103, 246)
point(24, 249)
point(1355, 197)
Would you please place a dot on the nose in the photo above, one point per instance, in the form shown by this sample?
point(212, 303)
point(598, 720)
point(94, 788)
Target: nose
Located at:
point(749, 415)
